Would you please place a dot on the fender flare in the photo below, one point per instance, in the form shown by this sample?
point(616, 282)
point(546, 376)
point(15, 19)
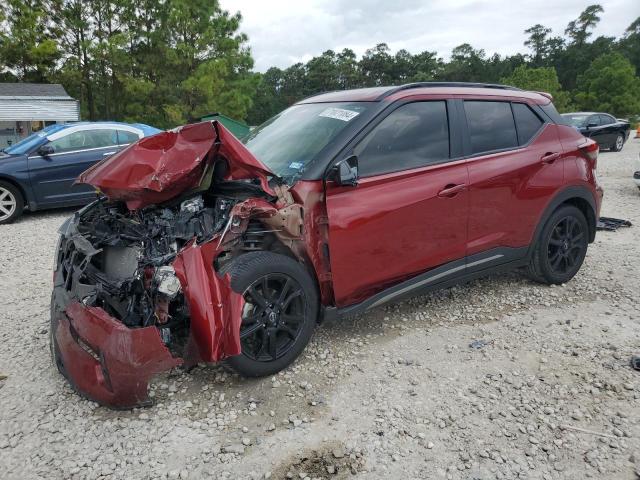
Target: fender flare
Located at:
point(564, 196)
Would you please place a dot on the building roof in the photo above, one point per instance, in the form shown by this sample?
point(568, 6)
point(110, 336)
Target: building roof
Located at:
point(378, 94)
point(40, 90)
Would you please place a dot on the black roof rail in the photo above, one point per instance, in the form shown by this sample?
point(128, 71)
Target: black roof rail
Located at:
point(409, 86)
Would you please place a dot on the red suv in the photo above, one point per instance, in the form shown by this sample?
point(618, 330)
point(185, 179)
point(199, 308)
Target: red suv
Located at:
point(204, 248)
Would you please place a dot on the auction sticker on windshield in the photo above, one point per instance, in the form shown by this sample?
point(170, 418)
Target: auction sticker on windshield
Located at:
point(339, 114)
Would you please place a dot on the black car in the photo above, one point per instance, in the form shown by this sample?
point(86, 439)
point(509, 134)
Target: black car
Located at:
point(608, 131)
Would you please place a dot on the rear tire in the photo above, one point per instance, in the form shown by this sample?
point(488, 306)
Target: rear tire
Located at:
point(618, 144)
point(561, 247)
point(280, 313)
point(11, 203)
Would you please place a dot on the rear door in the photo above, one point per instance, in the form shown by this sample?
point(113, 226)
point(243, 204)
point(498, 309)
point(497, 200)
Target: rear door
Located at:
point(515, 166)
point(610, 129)
point(408, 212)
point(53, 176)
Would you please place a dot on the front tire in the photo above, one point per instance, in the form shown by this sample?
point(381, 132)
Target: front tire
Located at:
point(11, 203)
point(561, 248)
point(280, 312)
point(618, 144)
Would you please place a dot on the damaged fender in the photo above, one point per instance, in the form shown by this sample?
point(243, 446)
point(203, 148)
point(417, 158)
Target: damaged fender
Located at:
point(216, 310)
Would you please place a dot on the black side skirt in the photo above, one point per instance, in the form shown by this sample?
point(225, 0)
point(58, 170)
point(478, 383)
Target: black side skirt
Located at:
point(444, 276)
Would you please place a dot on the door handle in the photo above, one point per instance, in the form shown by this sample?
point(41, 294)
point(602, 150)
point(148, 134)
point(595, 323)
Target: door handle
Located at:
point(107, 154)
point(451, 190)
point(550, 157)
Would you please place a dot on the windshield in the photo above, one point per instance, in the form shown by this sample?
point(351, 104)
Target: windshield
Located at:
point(289, 141)
point(33, 140)
point(576, 120)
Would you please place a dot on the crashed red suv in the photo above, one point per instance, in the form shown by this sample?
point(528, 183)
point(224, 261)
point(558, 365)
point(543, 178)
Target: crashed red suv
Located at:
point(205, 249)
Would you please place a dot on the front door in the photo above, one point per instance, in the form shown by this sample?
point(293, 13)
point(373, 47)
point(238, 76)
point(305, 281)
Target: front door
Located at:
point(53, 176)
point(408, 212)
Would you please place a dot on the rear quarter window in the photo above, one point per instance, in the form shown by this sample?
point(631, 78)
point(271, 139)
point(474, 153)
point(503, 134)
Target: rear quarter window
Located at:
point(527, 122)
point(491, 126)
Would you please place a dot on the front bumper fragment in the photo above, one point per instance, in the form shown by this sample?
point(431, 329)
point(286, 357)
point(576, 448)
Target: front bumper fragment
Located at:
point(104, 360)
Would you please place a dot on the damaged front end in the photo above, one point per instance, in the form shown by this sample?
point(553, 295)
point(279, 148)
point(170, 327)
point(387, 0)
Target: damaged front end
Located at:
point(136, 283)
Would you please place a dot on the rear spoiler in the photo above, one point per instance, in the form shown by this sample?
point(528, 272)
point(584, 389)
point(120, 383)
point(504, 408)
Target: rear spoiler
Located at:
point(545, 94)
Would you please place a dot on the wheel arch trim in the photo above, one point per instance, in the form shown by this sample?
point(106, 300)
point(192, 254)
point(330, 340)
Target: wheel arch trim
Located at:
point(574, 195)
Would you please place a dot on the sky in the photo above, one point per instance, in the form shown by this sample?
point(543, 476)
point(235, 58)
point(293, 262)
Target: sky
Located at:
point(283, 32)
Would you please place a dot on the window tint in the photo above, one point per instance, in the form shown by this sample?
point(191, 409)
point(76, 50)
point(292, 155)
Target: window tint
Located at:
point(491, 126)
point(527, 121)
point(125, 138)
point(594, 120)
point(606, 120)
point(413, 135)
point(84, 140)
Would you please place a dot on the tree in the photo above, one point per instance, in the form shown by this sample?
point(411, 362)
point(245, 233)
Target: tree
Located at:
point(578, 29)
point(541, 79)
point(27, 45)
point(630, 43)
point(538, 43)
point(611, 85)
point(466, 65)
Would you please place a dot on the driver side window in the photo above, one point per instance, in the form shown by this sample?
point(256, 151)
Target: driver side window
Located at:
point(85, 139)
point(412, 136)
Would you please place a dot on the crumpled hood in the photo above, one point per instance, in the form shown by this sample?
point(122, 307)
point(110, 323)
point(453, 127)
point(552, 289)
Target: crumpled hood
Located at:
point(159, 168)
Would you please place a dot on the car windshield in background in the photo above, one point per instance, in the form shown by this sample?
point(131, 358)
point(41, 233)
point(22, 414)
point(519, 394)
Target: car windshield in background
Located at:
point(288, 142)
point(576, 120)
point(23, 146)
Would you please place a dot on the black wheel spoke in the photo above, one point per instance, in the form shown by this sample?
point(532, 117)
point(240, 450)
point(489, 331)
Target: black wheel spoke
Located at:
point(292, 319)
point(283, 292)
point(270, 329)
point(251, 330)
point(292, 296)
point(290, 332)
point(272, 343)
point(257, 297)
point(556, 242)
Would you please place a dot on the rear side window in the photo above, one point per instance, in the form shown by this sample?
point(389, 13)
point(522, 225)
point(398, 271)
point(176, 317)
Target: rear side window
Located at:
point(412, 136)
point(84, 140)
point(125, 138)
point(527, 122)
point(606, 120)
point(491, 126)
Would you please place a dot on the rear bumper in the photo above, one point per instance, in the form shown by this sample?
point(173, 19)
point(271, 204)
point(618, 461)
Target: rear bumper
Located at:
point(103, 359)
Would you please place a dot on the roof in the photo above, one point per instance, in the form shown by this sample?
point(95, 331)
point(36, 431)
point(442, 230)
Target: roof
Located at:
point(41, 90)
point(393, 93)
point(583, 113)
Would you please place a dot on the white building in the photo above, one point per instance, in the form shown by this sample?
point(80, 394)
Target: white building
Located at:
point(28, 107)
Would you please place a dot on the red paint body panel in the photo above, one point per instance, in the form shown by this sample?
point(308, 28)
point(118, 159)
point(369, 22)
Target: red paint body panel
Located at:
point(128, 357)
point(391, 227)
point(159, 168)
point(215, 309)
point(310, 194)
point(508, 192)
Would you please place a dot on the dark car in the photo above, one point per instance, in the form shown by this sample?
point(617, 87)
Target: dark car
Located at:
point(206, 249)
point(39, 171)
point(608, 131)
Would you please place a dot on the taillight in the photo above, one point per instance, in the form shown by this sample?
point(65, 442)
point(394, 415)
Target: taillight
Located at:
point(590, 151)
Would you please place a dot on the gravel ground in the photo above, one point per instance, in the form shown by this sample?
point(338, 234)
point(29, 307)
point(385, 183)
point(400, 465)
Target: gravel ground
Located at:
point(396, 393)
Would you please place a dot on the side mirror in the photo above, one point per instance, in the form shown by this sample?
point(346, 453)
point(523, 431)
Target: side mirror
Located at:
point(346, 172)
point(591, 125)
point(45, 150)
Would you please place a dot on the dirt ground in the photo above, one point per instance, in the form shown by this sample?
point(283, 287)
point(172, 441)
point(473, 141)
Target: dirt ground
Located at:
point(547, 392)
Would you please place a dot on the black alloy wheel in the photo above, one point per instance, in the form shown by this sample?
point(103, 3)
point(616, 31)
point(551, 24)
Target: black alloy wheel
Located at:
point(279, 314)
point(561, 247)
point(566, 245)
point(272, 318)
